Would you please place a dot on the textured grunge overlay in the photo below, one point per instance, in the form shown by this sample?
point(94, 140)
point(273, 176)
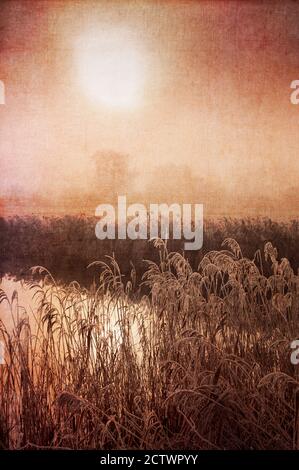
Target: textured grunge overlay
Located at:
point(149, 224)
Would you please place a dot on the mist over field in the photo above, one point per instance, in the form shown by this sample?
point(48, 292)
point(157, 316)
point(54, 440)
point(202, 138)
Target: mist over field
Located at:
point(208, 117)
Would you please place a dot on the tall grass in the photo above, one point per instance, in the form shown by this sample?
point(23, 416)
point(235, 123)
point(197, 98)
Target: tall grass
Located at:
point(66, 245)
point(202, 361)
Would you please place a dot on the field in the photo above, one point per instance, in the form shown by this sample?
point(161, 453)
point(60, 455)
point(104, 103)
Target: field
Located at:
point(178, 352)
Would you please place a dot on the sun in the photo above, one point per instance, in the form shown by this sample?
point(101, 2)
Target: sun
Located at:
point(110, 68)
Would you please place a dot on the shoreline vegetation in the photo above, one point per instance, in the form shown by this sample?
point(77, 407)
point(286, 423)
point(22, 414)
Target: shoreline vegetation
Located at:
point(67, 245)
point(175, 357)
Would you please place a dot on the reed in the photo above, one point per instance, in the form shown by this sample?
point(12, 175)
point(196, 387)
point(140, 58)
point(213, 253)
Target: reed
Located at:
point(202, 361)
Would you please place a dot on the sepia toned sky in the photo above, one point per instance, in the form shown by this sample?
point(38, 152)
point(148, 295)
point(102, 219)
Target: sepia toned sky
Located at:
point(208, 115)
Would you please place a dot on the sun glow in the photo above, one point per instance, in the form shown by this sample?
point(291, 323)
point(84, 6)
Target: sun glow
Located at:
point(111, 68)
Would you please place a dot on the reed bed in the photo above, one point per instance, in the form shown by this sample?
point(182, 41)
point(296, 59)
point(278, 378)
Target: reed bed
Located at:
point(186, 359)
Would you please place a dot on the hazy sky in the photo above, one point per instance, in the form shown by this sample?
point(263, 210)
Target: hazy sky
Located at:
point(213, 96)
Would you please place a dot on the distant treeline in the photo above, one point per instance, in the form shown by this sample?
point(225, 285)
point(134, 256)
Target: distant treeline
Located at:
point(66, 245)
